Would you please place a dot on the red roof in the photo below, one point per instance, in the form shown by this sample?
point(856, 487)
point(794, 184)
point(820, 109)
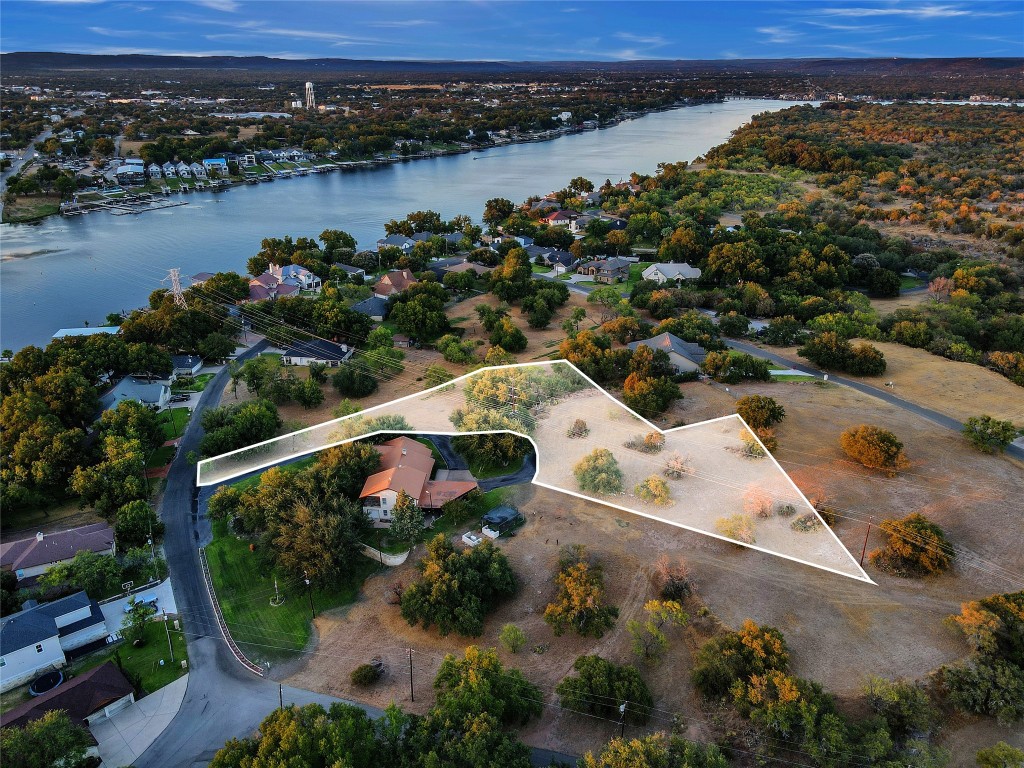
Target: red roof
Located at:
point(438, 492)
point(89, 692)
point(394, 282)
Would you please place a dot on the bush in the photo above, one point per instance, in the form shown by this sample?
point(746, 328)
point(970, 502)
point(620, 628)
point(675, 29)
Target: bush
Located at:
point(512, 638)
point(757, 502)
point(677, 466)
point(600, 687)
point(364, 675)
point(579, 604)
point(906, 707)
point(916, 547)
point(579, 428)
point(722, 661)
point(986, 686)
point(990, 435)
point(874, 447)
point(736, 527)
point(353, 381)
point(599, 472)
point(654, 490)
point(672, 580)
point(760, 411)
point(652, 442)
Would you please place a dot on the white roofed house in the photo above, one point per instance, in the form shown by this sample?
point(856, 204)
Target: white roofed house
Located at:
point(317, 351)
point(198, 170)
point(664, 273)
point(169, 171)
point(154, 171)
point(183, 171)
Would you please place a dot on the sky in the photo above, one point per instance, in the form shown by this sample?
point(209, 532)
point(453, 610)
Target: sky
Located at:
point(601, 30)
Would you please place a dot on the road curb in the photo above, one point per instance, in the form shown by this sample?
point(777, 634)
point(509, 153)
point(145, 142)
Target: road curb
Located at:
point(256, 669)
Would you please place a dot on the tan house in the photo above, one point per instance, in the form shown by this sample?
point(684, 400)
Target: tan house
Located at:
point(406, 465)
point(394, 282)
point(31, 557)
point(611, 270)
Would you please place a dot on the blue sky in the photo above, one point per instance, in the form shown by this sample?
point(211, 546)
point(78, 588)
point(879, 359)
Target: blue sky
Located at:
point(517, 31)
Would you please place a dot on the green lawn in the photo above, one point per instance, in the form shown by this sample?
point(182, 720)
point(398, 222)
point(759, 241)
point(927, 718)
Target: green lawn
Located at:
point(160, 457)
point(22, 519)
point(378, 537)
point(198, 384)
point(538, 269)
point(244, 587)
point(906, 283)
point(173, 421)
point(145, 660)
point(636, 272)
point(483, 471)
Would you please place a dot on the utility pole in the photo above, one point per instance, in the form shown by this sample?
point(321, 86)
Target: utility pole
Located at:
point(412, 693)
point(280, 694)
point(309, 591)
point(865, 547)
point(622, 719)
point(168, 631)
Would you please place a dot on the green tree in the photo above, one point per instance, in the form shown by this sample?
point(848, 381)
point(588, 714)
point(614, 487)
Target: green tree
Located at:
point(406, 520)
point(10, 602)
point(118, 478)
point(216, 347)
point(136, 521)
point(51, 741)
point(496, 210)
point(760, 411)
point(608, 299)
point(579, 603)
point(752, 650)
point(649, 638)
point(600, 688)
point(1000, 755)
point(307, 393)
point(990, 435)
point(133, 626)
point(655, 751)
point(354, 381)
point(906, 707)
point(512, 638)
point(319, 539)
point(479, 682)
point(134, 421)
point(96, 574)
point(598, 472)
point(508, 336)
point(434, 375)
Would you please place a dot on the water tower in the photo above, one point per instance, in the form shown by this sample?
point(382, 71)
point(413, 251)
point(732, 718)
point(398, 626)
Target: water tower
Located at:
point(310, 98)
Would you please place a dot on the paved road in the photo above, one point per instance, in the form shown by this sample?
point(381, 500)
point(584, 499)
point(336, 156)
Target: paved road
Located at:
point(456, 461)
point(927, 413)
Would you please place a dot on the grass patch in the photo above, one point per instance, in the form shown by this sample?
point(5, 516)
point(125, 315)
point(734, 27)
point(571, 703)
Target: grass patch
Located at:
point(173, 422)
point(483, 471)
point(906, 283)
point(791, 377)
point(27, 519)
point(161, 457)
point(565, 276)
point(144, 661)
point(539, 270)
point(31, 209)
point(197, 384)
point(244, 587)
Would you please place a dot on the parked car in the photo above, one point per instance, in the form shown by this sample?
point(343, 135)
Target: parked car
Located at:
point(150, 600)
point(180, 398)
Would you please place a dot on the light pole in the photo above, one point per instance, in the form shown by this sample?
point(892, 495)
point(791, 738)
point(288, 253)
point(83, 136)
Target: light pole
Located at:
point(309, 591)
point(622, 720)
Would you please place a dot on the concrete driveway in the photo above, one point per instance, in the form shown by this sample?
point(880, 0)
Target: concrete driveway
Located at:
point(113, 612)
point(125, 736)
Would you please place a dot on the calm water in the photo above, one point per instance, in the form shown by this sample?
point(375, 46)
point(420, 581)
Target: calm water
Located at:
point(63, 272)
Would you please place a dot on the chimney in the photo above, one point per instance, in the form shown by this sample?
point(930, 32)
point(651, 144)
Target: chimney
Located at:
point(39, 536)
point(404, 452)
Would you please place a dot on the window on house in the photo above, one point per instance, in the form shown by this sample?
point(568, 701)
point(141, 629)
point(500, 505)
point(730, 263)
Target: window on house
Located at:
point(39, 648)
point(3, 661)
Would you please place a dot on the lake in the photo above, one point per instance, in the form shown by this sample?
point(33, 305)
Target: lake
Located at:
point(63, 272)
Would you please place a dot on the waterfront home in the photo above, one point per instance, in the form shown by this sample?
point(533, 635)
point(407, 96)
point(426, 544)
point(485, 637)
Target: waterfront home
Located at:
point(317, 351)
point(374, 307)
point(670, 272)
point(545, 204)
point(92, 331)
point(154, 394)
point(217, 167)
point(406, 465)
point(611, 270)
point(247, 160)
point(293, 274)
point(197, 170)
point(453, 240)
point(33, 556)
point(201, 277)
point(88, 698)
point(36, 638)
point(183, 171)
point(394, 282)
point(169, 171)
point(269, 286)
point(559, 218)
point(130, 174)
point(351, 271)
point(154, 171)
point(685, 356)
point(397, 241)
point(186, 365)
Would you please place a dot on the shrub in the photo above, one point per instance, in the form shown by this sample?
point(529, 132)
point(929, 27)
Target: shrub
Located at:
point(579, 604)
point(652, 442)
point(916, 547)
point(654, 490)
point(353, 381)
point(1000, 755)
point(512, 638)
point(649, 639)
point(364, 675)
point(906, 707)
point(677, 466)
point(599, 472)
point(757, 502)
point(753, 650)
point(672, 580)
point(874, 447)
point(599, 687)
point(736, 527)
point(990, 435)
point(986, 686)
point(866, 360)
point(760, 411)
point(751, 448)
point(806, 523)
point(733, 324)
point(579, 428)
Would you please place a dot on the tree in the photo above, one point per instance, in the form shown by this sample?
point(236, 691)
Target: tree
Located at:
point(406, 520)
point(649, 396)
point(654, 490)
point(353, 381)
point(752, 650)
point(319, 539)
point(51, 741)
point(884, 283)
point(655, 751)
point(434, 375)
point(608, 299)
point(600, 687)
point(136, 521)
point(733, 324)
point(456, 589)
point(133, 626)
point(238, 426)
point(1000, 755)
point(916, 547)
point(479, 682)
point(133, 420)
point(508, 336)
point(828, 350)
point(599, 472)
point(906, 707)
point(496, 210)
point(649, 640)
point(578, 605)
point(10, 602)
point(874, 447)
point(259, 373)
point(989, 435)
point(307, 393)
point(732, 369)
point(96, 574)
point(216, 347)
point(512, 638)
point(760, 411)
point(118, 478)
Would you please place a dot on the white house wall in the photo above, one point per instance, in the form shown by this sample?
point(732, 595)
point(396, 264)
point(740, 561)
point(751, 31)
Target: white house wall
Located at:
point(22, 665)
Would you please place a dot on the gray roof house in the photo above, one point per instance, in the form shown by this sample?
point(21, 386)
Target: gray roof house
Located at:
point(351, 271)
point(398, 241)
point(663, 273)
point(610, 270)
point(317, 351)
point(35, 555)
point(374, 307)
point(154, 394)
point(685, 355)
point(186, 365)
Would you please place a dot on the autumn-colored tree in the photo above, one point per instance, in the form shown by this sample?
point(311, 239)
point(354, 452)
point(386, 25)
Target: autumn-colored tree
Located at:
point(653, 490)
point(874, 447)
point(916, 547)
point(649, 638)
point(579, 604)
point(760, 411)
point(598, 472)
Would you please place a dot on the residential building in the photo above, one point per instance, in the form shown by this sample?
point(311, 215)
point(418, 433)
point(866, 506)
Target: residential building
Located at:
point(611, 270)
point(36, 638)
point(186, 365)
point(293, 274)
point(216, 167)
point(559, 218)
point(88, 698)
point(168, 170)
point(317, 351)
point(351, 271)
point(183, 170)
point(33, 556)
point(397, 241)
point(685, 356)
point(665, 273)
point(154, 394)
point(198, 170)
point(406, 465)
point(154, 171)
point(268, 286)
point(394, 282)
point(469, 266)
point(64, 332)
point(374, 307)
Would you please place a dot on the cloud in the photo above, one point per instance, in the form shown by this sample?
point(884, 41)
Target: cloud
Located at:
point(920, 12)
point(401, 23)
point(226, 6)
point(779, 34)
point(249, 29)
point(650, 40)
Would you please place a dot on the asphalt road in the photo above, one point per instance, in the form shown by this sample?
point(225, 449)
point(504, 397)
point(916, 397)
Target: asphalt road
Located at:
point(455, 460)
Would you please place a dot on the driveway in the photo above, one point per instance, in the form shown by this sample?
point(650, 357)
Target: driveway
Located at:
point(113, 612)
point(126, 735)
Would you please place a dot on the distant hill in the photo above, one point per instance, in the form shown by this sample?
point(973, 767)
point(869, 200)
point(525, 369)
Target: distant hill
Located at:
point(28, 62)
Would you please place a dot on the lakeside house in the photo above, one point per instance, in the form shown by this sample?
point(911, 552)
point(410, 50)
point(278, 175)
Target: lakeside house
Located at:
point(293, 274)
point(685, 356)
point(406, 244)
point(351, 271)
point(559, 218)
point(155, 394)
point(154, 171)
point(375, 308)
point(610, 270)
point(393, 282)
point(317, 351)
point(406, 465)
point(269, 286)
point(670, 272)
point(38, 637)
point(216, 167)
point(197, 170)
point(31, 557)
point(183, 171)
point(168, 171)
point(65, 332)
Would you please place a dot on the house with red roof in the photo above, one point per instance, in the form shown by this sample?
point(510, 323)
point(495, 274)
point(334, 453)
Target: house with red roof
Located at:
point(394, 282)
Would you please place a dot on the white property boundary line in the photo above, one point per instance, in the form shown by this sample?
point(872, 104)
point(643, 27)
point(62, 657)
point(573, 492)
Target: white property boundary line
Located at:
point(540, 364)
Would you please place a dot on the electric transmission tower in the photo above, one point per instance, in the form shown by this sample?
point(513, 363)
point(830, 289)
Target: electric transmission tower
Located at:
point(174, 275)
